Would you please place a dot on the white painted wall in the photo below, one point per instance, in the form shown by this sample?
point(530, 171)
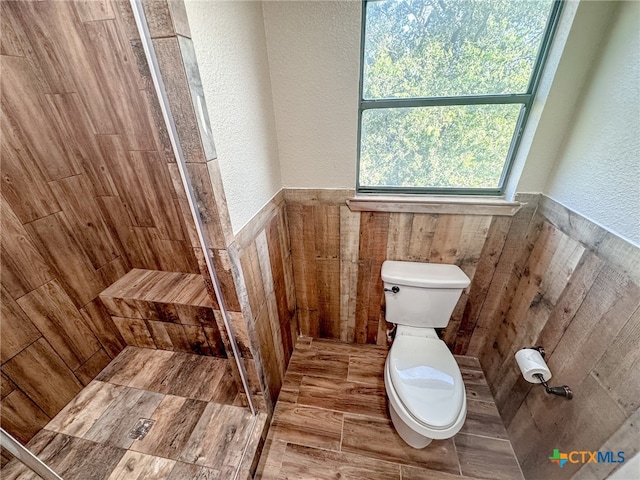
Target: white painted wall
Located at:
point(598, 171)
point(230, 45)
point(314, 54)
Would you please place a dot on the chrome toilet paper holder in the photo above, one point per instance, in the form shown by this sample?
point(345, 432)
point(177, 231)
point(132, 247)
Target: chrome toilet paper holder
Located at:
point(562, 391)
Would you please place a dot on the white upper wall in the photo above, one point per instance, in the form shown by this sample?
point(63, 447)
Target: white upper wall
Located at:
point(230, 45)
point(314, 55)
point(598, 171)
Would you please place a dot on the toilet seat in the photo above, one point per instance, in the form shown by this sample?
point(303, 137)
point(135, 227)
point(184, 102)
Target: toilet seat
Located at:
point(426, 381)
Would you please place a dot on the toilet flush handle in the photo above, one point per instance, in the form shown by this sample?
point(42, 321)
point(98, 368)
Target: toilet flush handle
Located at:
point(394, 289)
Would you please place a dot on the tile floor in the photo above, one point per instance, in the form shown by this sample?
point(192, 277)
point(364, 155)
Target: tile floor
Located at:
point(198, 433)
point(331, 421)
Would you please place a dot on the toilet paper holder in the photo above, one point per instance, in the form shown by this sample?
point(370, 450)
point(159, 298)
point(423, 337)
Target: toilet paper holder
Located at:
point(562, 391)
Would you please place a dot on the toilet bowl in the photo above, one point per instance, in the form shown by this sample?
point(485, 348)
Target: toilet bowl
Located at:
point(423, 382)
point(425, 389)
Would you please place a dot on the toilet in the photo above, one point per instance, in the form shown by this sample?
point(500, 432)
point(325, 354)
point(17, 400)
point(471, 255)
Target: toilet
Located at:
point(423, 382)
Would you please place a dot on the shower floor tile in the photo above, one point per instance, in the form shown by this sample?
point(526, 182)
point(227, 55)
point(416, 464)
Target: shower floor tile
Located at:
point(195, 433)
point(328, 425)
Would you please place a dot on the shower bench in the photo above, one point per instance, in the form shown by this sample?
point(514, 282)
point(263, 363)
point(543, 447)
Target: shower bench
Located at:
point(165, 310)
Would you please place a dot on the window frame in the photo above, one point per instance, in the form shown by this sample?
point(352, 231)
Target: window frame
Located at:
point(524, 99)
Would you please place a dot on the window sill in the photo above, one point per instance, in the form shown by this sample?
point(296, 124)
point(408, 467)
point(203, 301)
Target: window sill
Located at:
point(452, 205)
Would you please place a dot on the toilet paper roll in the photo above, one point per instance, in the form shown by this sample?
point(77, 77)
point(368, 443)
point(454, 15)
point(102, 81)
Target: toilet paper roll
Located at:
point(531, 362)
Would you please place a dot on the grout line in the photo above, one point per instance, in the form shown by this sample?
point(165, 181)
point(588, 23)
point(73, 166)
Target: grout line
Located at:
point(341, 434)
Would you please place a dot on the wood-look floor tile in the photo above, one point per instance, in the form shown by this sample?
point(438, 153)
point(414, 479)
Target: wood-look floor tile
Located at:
point(313, 427)
point(333, 346)
point(129, 363)
point(376, 438)
point(175, 418)
point(468, 363)
point(483, 419)
point(219, 438)
point(343, 396)
point(290, 388)
point(71, 457)
point(310, 463)
point(149, 363)
point(415, 473)
point(188, 471)
point(271, 460)
point(113, 426)
point(198, 377)
point(367, 369)
point(309, 362)
point(483, 457)
point(84, 410)
point(476, 386)
point(138, 466)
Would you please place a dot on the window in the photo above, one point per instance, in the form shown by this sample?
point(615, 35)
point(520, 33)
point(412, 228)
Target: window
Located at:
point(446, 88)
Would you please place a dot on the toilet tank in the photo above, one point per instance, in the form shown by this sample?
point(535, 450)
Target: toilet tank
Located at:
point(425, 293)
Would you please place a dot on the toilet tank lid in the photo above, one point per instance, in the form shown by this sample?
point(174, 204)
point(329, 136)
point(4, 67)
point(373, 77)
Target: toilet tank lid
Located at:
point(426, 275)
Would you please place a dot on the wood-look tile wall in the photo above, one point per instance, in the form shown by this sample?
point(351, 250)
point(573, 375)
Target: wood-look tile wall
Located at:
point(87, 195)
point(338, 253)
point(270, 301)
point(573, 288)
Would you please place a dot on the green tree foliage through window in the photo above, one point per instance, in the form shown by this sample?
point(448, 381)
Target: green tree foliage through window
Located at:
point(445, 86)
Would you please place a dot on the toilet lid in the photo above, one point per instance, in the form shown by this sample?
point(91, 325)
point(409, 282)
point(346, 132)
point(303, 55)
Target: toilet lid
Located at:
point(427, 379)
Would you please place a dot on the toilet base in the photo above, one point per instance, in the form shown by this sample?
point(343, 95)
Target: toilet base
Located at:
point(411, 437)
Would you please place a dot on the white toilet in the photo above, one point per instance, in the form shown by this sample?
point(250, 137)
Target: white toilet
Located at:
point(426, 394)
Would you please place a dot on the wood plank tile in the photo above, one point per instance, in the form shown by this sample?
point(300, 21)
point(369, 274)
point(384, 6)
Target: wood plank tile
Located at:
point(127, 365)
point(21, 417)
point(91, 10)
point(7, 386)
point(55, 239)
point(305, 462)
point(219, 438)
point(322, 345)
point(99, 321)
point(92, 367)
point(23, 100)
point(343, 396)
point(271, 460)
point(414, 473)
point(76, 199)
point(175, 418)
point(313, 427)
point(79, 415)
point(137, 466)
point(75, 458)
point(423, 229)
point(618, 364)
point(290, 388)
point(18, 332)
point(475, 385)
point(484, 419)
point(182, 471)
point(308, 362)
point(115, 423)
point(327, 274)
point(40, 373)
point(482, 457)
point(376, 438)
point(147, 366)
point(23, 268)
point(79, 137)
point(134, 331)
point(55, 315)
point(349, 246)
point(368, 370)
